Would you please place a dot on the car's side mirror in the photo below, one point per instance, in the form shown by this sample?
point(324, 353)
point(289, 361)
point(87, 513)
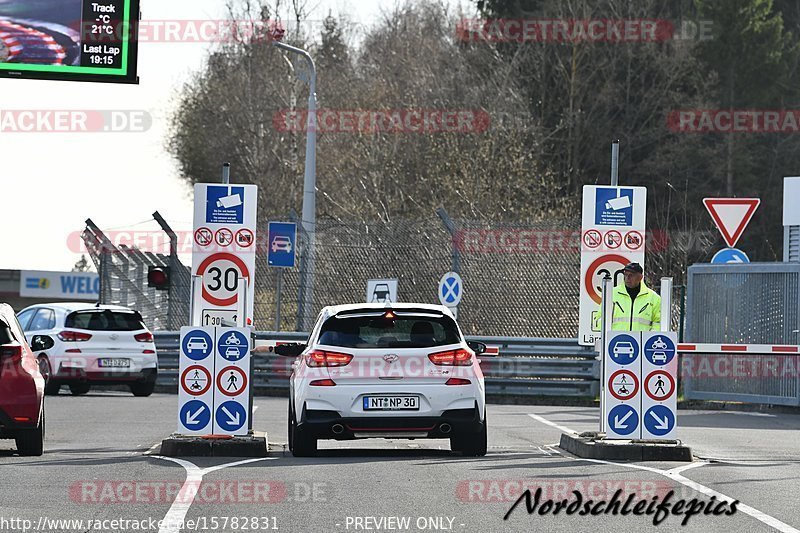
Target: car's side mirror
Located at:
point(478, 347)
point(42, 342)
point(290, 350)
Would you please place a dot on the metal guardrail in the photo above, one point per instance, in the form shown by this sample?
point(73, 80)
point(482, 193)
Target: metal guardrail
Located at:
point(525, 367)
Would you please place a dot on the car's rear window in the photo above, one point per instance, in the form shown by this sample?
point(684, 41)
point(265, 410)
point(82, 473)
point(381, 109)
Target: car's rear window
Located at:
point(410, 331)
point(105, 320)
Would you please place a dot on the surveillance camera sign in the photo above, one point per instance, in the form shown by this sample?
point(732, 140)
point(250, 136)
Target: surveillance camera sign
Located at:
point(224, 205)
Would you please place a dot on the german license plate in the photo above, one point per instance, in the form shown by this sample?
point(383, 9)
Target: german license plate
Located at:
point(391, 403)
point(114, 363)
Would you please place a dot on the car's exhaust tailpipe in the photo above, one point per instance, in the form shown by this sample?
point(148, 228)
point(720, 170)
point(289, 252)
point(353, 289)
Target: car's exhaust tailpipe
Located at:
point(337, 429)
point(445, 428)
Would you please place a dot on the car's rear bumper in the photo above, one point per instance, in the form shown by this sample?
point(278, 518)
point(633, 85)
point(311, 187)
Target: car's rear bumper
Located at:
point(8, 425)
point(103, 377)
point(330, 425)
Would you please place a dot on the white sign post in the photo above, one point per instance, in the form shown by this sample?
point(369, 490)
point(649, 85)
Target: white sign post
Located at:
point(223, 254)
point(381, 291)
point(195, 381)
point(232, 381)
point(659, 385)
point(214, 381)
point(612, 235)
point(623, 378)
point(641, 385)
point(451, 291)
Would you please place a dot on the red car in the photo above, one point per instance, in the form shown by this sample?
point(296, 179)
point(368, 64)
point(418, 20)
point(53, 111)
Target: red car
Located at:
point(21, 385)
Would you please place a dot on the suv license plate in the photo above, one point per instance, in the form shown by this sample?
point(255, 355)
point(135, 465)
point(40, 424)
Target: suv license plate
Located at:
point(391, 403)
point(114, 363)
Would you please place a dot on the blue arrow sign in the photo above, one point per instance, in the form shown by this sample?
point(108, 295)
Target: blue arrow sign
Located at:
point(197, 344)
point(195, 415)
point(623, 349)
point(233, 345)
point(659, 350)
point(659, 420)
point(730, 255)
point(231, 416)
point(282, 244)
point(623, 419)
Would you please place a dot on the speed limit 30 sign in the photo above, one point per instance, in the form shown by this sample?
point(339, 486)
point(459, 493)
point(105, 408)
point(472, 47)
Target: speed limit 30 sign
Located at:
point(221, 266)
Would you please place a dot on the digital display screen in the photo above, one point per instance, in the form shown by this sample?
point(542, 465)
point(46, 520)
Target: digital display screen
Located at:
point(79, 40)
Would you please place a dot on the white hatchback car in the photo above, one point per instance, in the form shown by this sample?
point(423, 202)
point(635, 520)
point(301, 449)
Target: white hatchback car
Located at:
point(94, 345)
point(393, 371)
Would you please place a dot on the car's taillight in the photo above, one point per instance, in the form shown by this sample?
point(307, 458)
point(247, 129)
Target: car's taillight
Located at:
point(144, 337)
point(316, 358)
point(457, 381)
point(458, 357)
point(323, 383)
point(11, 353)
point(74, 336)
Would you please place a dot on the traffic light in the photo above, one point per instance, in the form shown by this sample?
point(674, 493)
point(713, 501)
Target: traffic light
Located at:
point(158, 277)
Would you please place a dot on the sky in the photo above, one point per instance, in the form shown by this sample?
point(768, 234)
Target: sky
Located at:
point(53, 182)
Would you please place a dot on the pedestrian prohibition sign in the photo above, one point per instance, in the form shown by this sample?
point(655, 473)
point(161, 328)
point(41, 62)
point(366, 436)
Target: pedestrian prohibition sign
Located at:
point(659, 385)
point(231, 381)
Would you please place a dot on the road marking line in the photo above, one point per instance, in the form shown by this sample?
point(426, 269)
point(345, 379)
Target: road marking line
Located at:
point(675, 475)
point(194, 477)
point(558, 427)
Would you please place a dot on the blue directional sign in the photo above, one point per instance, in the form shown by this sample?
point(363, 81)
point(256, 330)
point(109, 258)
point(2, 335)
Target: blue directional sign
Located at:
point(451, 289)
point(281, 244)
point(614, 207)
point(233, 345)
point(231, 416)
point(624, 349)
point(197, 345)
point(623, 419)
point(659, 420)
point(659, 350)
point(195, 415)
point(730, 255)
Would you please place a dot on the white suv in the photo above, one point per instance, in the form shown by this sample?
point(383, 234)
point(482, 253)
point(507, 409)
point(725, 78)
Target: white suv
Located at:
point(394, 371)
point(94, 345)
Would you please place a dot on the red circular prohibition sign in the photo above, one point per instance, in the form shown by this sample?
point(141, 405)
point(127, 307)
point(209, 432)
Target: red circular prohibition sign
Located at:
point(235, 370)
point(587, 280)
point(205, 374)
point(635, 384)
point(217, 257)
point(671, 385)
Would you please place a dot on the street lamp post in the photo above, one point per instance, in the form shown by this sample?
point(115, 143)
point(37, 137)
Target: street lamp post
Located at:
point(309, 221)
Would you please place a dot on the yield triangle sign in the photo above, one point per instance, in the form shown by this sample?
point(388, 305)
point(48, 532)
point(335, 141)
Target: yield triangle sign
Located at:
point(731, 215)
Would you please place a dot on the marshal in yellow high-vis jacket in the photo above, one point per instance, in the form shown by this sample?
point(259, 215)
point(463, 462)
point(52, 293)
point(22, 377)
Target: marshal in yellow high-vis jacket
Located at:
point(637, 307)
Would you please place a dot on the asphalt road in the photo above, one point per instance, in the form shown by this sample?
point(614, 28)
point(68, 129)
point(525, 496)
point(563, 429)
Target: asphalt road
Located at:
point(100, 465)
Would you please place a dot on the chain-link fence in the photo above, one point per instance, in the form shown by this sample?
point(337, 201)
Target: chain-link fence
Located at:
point(520, 279)
point(123, 279)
